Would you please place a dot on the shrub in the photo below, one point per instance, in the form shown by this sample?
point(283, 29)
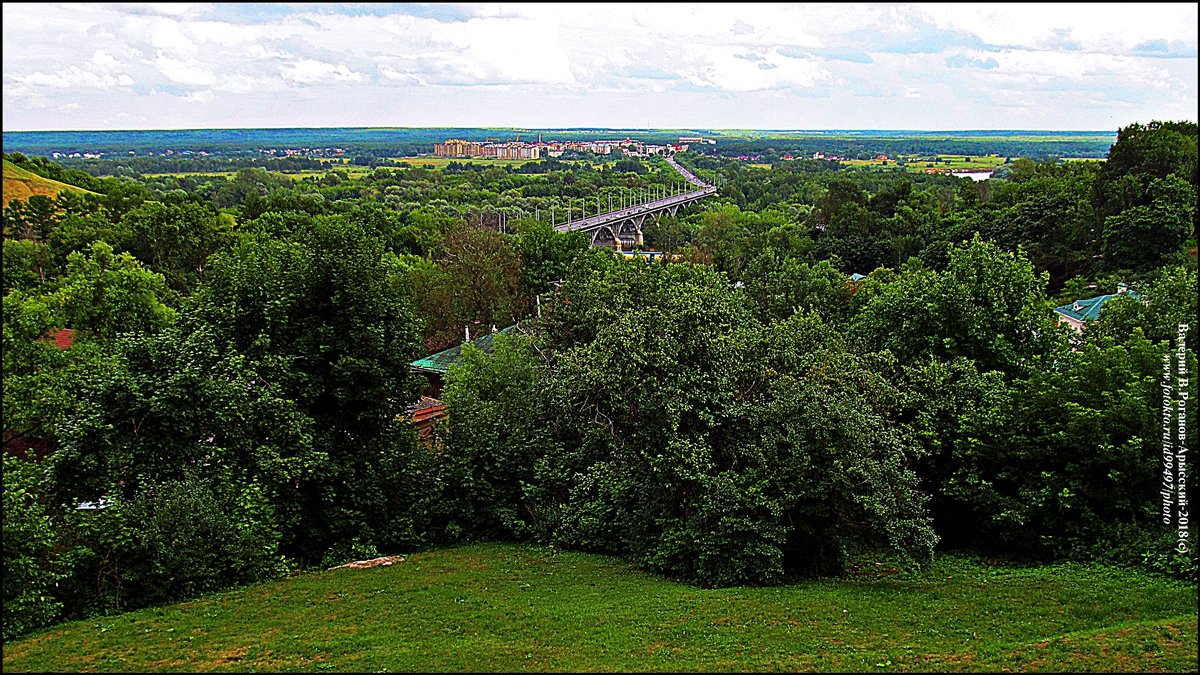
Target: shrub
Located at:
point(29, 577)
point(188, 539)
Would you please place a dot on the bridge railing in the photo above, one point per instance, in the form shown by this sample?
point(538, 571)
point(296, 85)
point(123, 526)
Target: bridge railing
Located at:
point(631, 211)
point(648, 207)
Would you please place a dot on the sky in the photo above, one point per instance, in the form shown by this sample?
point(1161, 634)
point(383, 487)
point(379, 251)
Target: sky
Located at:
point(956, 66)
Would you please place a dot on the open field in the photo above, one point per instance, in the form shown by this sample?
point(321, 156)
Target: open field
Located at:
point(357, 171)
point(440, 162)
point(181, 174)
point(525, 608)
point(21, 184)
point(941, 161)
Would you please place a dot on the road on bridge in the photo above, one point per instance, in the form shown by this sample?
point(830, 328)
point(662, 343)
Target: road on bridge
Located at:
point(641, 210)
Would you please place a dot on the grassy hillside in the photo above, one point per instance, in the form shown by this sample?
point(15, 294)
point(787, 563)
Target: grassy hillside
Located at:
point(525, 608)
point(21, 184)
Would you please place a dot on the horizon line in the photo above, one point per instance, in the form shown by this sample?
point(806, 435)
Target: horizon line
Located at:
point(552, 128)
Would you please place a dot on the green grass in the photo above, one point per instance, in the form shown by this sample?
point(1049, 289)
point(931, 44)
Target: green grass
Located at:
point(526, 608)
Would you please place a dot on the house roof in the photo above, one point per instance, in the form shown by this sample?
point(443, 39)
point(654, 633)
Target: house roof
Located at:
point(440, 362)
point(857, 277)
point(62, 338)
point(426, 408)
point(1089, 309)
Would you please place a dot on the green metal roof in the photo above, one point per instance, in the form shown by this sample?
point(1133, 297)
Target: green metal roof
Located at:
point(1089, 309)
point(440, 362)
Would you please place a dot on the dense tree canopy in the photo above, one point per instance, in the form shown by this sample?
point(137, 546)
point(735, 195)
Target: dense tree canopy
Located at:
point(236, 387)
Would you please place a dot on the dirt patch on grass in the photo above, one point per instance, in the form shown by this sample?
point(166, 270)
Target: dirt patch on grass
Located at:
point(234, 655)
point(374, 562)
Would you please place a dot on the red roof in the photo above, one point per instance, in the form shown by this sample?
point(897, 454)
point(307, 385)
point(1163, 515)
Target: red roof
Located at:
point(62, 337)
point(427, 409)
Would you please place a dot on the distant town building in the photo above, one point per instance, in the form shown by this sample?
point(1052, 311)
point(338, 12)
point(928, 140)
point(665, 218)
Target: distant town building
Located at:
point(511, 150)
point(458, 148)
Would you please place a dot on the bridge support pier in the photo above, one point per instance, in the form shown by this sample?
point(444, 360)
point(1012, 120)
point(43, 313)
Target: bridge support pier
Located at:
point(625, 228)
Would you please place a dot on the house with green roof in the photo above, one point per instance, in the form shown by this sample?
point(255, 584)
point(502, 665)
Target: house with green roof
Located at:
point(435, 366)
point(1077, 313)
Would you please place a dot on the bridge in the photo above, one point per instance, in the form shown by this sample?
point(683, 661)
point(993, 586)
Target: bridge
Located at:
point(622, 228)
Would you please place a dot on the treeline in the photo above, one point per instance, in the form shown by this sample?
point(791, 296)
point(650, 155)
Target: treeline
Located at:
point(354, 141)
point(773, 149)
point(135, 166)
point(236, 392)
point(659, 413)
point(1132, 213)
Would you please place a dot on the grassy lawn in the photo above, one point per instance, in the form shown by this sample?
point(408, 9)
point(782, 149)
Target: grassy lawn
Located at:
point(525, 608)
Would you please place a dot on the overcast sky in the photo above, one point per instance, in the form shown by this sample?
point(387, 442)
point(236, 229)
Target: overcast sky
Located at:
point(775, 66)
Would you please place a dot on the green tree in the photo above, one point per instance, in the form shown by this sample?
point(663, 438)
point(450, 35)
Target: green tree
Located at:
point(545, 255)
point(319, 319)
point(987, 306)
point(478, 282)
point(29, 577)
point(176, 239)
point(1145, 152)
point(1142, 236)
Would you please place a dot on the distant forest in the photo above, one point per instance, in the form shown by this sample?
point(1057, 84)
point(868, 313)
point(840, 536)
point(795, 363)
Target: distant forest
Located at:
point(367, 143)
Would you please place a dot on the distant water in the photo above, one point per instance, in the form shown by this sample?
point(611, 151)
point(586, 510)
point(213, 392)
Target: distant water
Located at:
point(974, 175)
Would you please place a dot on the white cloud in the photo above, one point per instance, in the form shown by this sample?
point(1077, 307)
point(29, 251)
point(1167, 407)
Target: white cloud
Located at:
point(729, 69)
point(308, 71)
point(188, 72)
point(599, 62)
point(224, 33)
point(1094, 27)
point(161, 8)
point(74, 77)
point(261, 52)
point(506, 51)
point(203, 96)
point(244, 84)
point(164, 35)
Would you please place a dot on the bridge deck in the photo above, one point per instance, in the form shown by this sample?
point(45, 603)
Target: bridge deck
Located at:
point(633, 211)
point(592, 222)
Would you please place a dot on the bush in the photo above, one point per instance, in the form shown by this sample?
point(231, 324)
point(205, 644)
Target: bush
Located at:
point(29, 577)
point(188, 539)
point(1149, 547)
